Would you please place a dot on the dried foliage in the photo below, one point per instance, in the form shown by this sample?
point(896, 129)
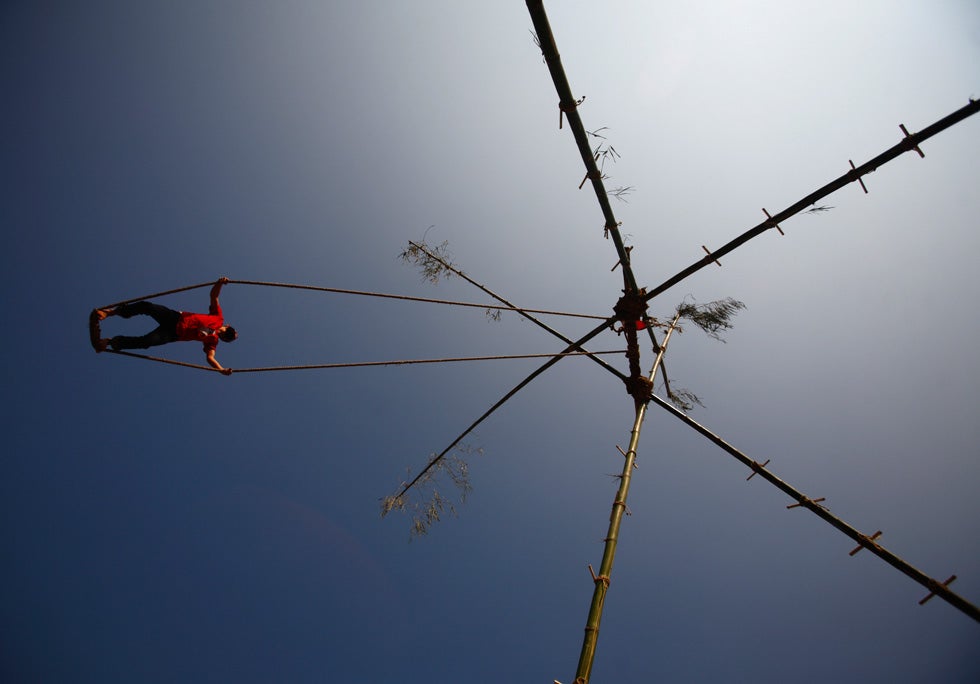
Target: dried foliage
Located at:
point(537, 41)
point(818, 210)
point(434, 263)
point(714, 317)
point(683, 399)
point(596, 133)
point(425, 502)
point(603, 153)
point(621, 192)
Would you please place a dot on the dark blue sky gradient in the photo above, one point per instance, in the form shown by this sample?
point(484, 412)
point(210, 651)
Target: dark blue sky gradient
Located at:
point(164, 524)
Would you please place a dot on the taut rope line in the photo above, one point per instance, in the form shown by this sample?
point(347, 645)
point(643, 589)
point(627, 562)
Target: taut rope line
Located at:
point(361, 364)
point(337, 290)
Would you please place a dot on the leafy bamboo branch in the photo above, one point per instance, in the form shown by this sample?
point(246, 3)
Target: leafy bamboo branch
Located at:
point(425, 502)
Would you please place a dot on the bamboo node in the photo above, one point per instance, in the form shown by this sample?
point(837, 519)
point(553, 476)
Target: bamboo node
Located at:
point(866, 541)
point(625, 455)
point(564, 107)
point(594, 175)
point(708, 252)
point(756, 467)
point(936, 587)
point(804, 501)
point(604, 579)
point(858, 177)
point(775, 225)
point(597, 578)
point(628, 250)
point(907, 137)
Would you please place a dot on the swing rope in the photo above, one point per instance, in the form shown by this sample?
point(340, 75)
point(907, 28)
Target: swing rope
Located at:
point(337, 290)
point(362, 364)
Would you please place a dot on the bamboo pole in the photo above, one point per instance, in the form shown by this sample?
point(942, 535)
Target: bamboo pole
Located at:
point(934, 586)
point(569, 110)
point(521, 385)
point(908, 144)
point(587, 655)
point(508, 305)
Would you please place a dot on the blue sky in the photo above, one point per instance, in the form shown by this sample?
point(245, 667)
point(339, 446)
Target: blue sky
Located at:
point(164, 524)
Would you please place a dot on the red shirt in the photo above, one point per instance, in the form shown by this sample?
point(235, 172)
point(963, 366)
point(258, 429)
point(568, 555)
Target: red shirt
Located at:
point(201, 327)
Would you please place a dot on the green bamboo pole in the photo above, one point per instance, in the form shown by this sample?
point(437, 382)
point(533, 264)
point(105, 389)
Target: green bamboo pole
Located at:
point(587, 655)
point(591, 638)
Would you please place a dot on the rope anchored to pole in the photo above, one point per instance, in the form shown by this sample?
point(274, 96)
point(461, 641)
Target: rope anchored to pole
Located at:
point(364, 364)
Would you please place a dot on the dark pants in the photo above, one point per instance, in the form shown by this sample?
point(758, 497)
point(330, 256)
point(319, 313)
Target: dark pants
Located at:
point(165, 332)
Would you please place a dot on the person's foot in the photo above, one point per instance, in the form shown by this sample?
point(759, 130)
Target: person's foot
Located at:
point(101, 346)
point(101, 314)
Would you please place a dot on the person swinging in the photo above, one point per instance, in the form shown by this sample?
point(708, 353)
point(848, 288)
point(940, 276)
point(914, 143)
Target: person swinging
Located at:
point(174, 326)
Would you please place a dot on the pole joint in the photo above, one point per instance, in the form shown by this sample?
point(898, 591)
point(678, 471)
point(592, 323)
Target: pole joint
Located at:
point(771, 222)
point(866, 542)
point(910, 142)
point(604, 579)
point(627, 250)
point(809, 503)
point(567, 107)
point(625, 455)
point(937, 587)
point(711, 256)
point(857, 176)
point(756, 467)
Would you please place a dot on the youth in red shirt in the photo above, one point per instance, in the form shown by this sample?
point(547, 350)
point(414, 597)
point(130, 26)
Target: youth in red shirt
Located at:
point(175, 326)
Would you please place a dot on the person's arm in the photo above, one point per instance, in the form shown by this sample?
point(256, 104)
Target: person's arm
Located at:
point(214, 308)
point(213, 362)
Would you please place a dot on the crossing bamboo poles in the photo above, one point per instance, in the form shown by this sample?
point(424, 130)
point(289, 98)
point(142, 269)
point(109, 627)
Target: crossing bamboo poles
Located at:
point(591, 638)
point(510, 306)
point(631, 302)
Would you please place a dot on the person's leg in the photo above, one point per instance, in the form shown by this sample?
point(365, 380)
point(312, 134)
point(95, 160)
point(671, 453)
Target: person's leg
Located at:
point(154, 338)
point(165, 332)
point(160, 314)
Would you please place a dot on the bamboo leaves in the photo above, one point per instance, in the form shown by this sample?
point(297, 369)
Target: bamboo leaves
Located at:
point(425, 502)
point(714, 317)
point(434, 263)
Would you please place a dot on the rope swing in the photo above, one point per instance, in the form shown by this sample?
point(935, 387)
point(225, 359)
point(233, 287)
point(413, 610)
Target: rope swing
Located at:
point(95, 332)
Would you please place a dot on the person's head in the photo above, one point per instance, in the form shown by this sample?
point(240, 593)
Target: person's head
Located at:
point(228, 334)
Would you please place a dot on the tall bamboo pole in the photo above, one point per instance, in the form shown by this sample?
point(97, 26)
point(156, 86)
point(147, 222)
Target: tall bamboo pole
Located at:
point(591, 638)
point(569, 110)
